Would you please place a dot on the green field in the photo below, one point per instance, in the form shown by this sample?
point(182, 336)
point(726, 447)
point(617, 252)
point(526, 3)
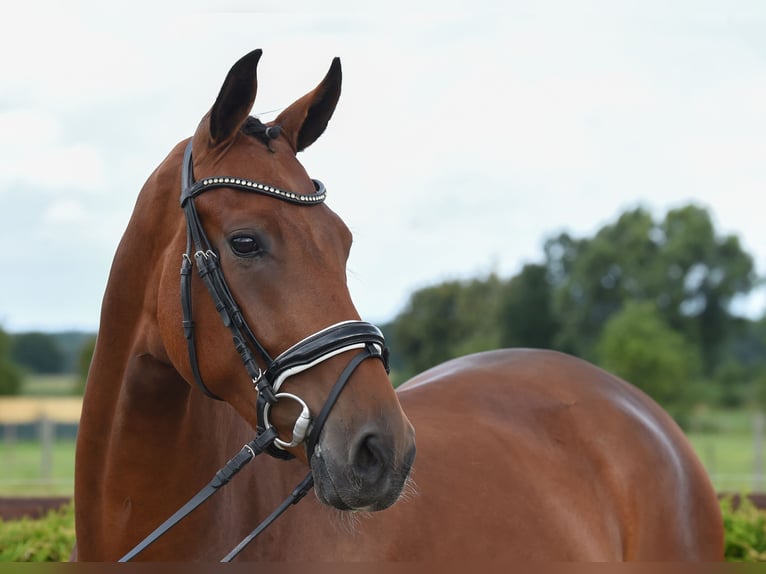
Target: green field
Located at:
point(21, 462)
point(730, 461)
point(50, 385)
point(728, 456)
point(21, 469)
point(724, 441)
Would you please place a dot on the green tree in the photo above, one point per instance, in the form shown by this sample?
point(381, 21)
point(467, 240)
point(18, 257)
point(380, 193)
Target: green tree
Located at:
point(639, 346)
point(525, 316)
point(445, 321)
point(10, 374)
point(596, 276)
point(37, 352)
point(680, 264)
point(706, 271)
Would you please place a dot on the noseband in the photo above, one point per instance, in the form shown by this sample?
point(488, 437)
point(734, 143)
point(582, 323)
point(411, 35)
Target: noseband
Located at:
point(268, 378)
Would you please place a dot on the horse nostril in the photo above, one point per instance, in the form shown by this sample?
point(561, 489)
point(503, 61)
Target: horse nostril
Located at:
point(368, 458)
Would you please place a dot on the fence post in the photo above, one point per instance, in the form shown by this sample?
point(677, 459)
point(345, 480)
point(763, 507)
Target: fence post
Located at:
point(9, 438)
point(711, 463)
point(758, 428)
point(46, 439)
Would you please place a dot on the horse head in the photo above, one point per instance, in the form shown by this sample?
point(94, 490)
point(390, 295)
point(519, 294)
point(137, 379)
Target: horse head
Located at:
point(281, 254)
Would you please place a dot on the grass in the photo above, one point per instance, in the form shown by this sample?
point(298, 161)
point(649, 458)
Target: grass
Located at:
point(21, 465)
point(724, 442)
point(50, 385)
point(729, 459)
point(722, 439)
point(21, 461)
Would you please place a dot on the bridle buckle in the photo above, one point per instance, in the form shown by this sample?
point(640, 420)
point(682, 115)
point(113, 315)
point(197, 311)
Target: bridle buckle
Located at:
point(264, 389)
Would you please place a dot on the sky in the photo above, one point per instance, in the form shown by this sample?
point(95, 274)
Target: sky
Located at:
point(466, 134)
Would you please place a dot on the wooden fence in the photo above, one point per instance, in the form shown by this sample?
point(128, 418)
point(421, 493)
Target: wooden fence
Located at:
point(45, 413)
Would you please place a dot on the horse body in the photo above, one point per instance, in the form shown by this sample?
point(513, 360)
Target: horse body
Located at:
point(521, 453)
point(584, 466)
point(526, 455)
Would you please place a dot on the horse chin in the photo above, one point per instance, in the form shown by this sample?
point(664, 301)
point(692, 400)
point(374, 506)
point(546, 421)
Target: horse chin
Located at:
point(337, 488)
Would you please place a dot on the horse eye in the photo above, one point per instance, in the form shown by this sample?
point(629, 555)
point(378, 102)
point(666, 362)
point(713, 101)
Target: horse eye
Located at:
point(245, 245)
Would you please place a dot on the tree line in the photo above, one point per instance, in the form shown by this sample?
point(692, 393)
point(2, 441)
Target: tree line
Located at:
point(42, 354)
point(649, 299)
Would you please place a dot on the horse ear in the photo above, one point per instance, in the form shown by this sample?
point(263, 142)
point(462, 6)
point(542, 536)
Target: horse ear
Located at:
point(305, 120)
point(236, 98)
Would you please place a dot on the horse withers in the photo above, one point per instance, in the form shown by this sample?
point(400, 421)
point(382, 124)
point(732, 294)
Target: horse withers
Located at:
point(522, 454)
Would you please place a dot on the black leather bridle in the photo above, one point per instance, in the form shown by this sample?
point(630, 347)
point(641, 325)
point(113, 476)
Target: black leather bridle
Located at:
point(269, 376)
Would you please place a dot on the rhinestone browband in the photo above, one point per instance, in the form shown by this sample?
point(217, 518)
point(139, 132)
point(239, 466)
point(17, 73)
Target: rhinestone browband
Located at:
point(249, 185)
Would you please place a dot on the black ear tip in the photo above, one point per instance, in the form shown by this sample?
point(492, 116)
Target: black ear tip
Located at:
point(250, 59)
point(236, 97)
point(254, 56)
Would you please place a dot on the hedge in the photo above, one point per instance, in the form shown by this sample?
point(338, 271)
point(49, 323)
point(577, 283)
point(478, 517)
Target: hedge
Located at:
point(51, 538)
point(48, 539)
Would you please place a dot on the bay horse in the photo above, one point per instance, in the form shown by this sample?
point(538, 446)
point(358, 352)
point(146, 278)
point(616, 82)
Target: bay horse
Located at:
point(521, 454)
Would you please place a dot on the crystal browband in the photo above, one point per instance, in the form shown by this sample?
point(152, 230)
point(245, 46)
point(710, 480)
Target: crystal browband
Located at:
point(249, 185)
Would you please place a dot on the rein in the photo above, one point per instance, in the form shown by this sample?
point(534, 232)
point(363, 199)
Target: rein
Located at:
point(267, 380)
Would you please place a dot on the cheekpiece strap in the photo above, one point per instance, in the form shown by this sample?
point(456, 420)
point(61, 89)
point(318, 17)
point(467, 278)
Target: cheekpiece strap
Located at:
point(200, 253)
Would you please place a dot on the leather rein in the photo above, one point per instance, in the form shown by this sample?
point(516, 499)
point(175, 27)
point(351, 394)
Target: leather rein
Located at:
point(269, 375)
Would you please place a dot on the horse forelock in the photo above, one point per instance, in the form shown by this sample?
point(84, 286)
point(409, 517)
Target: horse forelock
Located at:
point(255, 128)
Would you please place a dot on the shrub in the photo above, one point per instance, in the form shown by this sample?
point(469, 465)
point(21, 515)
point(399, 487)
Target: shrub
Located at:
point(11, 378)
point(10, 373)
point(745, 530)
point(37, 352)
point(48, 539)
point(638, 345)
point(51, 538)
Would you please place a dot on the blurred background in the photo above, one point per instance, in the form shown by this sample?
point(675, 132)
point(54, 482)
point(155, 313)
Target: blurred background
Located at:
point(586, 177)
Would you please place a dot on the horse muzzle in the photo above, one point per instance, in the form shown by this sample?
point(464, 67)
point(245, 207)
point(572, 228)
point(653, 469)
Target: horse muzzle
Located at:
point(368, 475)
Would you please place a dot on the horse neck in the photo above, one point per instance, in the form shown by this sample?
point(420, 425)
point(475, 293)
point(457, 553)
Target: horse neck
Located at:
point(128, 326)
point(133, 392)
